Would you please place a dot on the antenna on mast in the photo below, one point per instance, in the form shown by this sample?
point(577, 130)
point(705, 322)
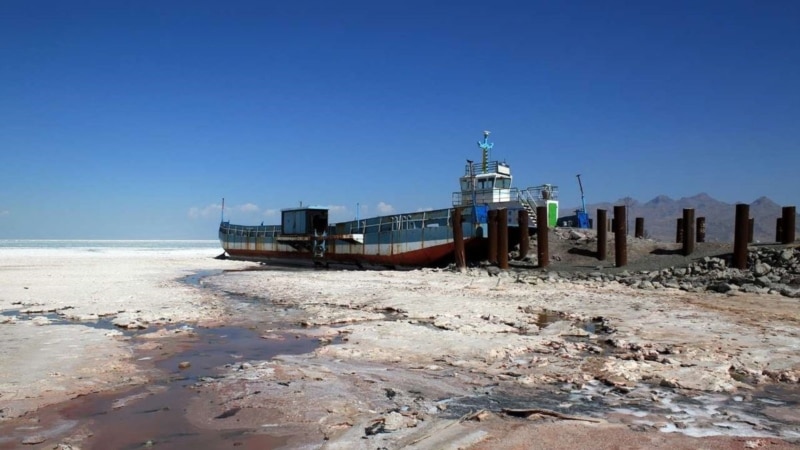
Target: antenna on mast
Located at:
point(486, 146)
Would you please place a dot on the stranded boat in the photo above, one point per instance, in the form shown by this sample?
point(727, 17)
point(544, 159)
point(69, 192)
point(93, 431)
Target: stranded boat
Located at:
point(415, 239)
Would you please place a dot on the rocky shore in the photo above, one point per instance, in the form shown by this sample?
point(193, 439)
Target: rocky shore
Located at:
point(771, 271)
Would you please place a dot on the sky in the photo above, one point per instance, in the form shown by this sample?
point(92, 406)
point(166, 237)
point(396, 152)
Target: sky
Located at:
point(134, 119)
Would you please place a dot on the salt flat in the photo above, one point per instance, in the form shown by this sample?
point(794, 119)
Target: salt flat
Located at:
point(52, 298)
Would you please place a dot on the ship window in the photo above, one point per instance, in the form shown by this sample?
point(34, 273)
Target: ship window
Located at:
point(504, 183)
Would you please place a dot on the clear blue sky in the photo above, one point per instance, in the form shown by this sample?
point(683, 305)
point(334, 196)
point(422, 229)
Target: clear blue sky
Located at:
point(133, 119)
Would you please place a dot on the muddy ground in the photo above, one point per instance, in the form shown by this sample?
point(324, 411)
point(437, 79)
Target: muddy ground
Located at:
point(440, 359)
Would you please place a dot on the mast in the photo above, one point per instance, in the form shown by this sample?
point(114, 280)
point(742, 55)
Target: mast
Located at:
point(486, 146)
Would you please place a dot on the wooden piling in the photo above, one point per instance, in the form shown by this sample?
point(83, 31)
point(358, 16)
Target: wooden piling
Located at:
point(701, 229)
point(524, 237)
point(740, 236)
point(679, 231)
point(779, 230)
point(492, 225)
point(502, 238)
point(789, 224)
point(639, 231)
point(688, 231)
point(541, 236)
point(620, 240)
point(458, 239)
point(602, 235)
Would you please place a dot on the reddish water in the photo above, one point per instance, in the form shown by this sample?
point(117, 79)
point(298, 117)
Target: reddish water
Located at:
point(159, 420)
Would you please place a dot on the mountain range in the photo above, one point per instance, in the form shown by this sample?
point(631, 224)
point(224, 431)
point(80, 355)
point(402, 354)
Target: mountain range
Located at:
point(661, 213)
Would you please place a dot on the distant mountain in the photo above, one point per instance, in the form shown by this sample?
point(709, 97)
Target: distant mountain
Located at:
point(661, 213)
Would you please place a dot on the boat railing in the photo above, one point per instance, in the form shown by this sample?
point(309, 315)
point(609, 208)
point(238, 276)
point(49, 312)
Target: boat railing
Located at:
point(251, 230)
point(533, 196)
point(476, 168)
point(543, 192)
point(394, 222)
point(528, 198)
point(412, 221)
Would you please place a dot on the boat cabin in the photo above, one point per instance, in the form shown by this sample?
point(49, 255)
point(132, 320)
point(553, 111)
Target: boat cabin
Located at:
point(304, 220)
point(485, 183)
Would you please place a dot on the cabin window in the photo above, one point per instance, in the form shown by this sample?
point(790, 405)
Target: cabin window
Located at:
point(504, 183)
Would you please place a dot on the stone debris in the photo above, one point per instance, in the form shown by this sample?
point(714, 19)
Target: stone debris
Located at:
point(129, 323)
point(771, 271)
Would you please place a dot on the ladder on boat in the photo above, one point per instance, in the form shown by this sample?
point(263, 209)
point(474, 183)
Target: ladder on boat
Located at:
point(528, 201)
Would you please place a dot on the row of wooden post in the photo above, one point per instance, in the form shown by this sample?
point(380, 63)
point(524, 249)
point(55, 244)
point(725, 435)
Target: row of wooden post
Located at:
point(686, 234)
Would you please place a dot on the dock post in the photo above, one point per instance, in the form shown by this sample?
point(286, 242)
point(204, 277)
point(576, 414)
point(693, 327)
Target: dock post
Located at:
point(701, 229)
point(458, 240)
point(639, 231)
point(620, 240)
point(492, 225)
point(789, 224)
point(740, 236)
point(541, 236)
point(779, 230)
point(688, 231)
point(679, 230)
point(524, 237)
point(502, 238)
point(602, 235)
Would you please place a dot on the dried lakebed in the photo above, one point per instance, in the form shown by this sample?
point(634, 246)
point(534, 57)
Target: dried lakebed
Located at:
point(425, 359)
point(425, 348)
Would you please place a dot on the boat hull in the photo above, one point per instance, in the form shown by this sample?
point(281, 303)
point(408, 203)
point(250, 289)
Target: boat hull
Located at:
point(408, 240)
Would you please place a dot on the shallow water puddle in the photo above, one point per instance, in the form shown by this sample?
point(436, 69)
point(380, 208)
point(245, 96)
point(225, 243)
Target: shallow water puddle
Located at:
point(159, 418)
point(155, 415)
point(59, 318)
point(770, 411)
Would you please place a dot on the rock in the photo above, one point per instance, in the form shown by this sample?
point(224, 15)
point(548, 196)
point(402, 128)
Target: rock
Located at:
point(493, 271)
point(41, 320)
point(668, 383)
point(753, 289)
point(722, 288)
point(574, 235)
point(33, 440)
point(184, 365)
point(761, 269)
point(128, 323)
point(393, 422)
